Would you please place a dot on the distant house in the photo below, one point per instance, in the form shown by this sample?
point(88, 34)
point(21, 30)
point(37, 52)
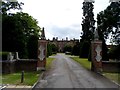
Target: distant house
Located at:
point(62, 43)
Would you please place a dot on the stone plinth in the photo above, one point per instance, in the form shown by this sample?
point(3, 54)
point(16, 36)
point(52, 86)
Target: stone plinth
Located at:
point(42, 51)
point(96, 53)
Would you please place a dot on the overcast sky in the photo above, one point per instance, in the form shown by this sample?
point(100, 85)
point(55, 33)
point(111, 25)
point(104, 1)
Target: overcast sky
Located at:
point(60, 18)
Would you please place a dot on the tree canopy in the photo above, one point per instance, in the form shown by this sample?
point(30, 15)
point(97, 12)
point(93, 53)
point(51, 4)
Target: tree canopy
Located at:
point(17, 29)
point(108, 22)
point(88, 27)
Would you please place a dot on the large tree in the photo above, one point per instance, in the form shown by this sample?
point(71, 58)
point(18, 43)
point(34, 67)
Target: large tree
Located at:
point(87, 27)
point(108, 22)
point(18, 29)
point(88, 21)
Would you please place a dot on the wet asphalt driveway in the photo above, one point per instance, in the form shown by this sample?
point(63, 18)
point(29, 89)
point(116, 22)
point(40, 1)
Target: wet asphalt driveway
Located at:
point(66, 73)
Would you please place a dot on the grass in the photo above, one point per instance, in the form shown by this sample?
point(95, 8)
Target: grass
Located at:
point(83, 61)
point(29, 77)
point(49, 61)
point(15, 78)
point(86, 64)
point(113, 76)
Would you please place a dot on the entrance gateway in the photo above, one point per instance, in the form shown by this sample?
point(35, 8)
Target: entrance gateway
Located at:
point(96, 51)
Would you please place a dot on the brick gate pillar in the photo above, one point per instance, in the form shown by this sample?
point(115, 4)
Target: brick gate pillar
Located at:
point(42, 52)
point(96, 53)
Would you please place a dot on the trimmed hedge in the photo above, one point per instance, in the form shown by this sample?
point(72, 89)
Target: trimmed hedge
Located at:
point(4, 55)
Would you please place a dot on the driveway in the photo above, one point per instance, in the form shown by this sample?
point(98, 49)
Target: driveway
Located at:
point(66, 73)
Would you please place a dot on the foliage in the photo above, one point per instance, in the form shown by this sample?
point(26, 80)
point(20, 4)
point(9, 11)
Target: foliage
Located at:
point(68, 48)
point(76, 49)
point(90, 55)
point(49, 50)
point(32, 47)
point(8, 5)
point(4, 55)
point(88, 21)
point(114, 52)
point(54, 48)
point(17, 29)
point(84, 50)
point(108, 22)
point(88, 26)
point(104, 52)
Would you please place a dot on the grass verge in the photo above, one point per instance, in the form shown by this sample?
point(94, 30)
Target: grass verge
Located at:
point(86, 64)
point(113, 77)
point(29, 77)
point(83, 61)
point(48, 63)
point(15, 78)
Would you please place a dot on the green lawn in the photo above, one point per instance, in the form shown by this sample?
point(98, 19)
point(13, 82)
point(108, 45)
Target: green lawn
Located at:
point(86, 64)
point(83, 61)
point(29, 77)
point(49, 61)
point(15, 78)
point(113, 76)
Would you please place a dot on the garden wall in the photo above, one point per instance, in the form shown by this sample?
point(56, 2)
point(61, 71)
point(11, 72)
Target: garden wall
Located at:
point(18, 65)
point(111, 66)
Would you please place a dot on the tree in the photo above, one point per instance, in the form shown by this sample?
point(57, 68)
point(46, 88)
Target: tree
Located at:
point(76, 49)
point(18, 29)
point(49, 50)
point(114, 52)
point(87, 27)
point(88, 21)
point(85, 49)
point(54, 48)
point(67, 48)
point(108, 22)
point(32, 47)
point(8, 5)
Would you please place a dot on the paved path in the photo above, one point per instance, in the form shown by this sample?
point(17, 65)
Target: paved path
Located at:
point(66, 73)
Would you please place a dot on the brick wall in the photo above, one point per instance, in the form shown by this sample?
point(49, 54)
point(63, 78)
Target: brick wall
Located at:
point(18, 65)
point(111, 66)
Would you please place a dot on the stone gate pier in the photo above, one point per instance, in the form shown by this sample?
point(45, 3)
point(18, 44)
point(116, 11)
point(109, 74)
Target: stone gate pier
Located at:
point(96, 56)
point(42, 52)
point(96, 53)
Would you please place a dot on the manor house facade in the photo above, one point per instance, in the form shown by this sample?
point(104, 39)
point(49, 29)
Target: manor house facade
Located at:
point(62, 43)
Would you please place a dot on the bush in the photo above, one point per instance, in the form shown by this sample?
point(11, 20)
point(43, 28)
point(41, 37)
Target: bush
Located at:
point(32, 47)
point(114, 52)
point(76, 49)
point(104, 52)
point(54, 48)
point(84, 49)
point(4, 55)
point(49, 50)
point(89, 55)
point(68, 48)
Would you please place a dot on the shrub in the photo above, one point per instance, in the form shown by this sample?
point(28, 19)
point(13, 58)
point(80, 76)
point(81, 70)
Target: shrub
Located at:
point(84, 49)
point(4, 55)
point(114, 52)
point(76, 49)
point(68, 48)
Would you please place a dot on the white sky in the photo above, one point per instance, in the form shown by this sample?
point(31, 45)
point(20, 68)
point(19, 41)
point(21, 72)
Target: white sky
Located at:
point(61, 18)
